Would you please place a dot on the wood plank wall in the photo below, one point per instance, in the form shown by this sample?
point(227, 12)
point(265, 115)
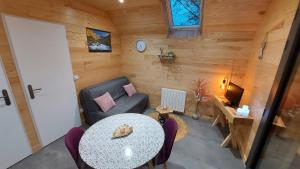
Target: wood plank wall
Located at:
point(225, 42)
point(230, 36)
point(261, 73)
point(210, 57)
point(91, 67)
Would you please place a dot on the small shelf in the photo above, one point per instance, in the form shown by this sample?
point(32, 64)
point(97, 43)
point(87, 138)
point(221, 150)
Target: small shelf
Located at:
point(170, 56)
point(166, 58)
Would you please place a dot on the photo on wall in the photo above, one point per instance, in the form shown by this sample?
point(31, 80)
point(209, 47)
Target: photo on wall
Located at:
point(98, 40)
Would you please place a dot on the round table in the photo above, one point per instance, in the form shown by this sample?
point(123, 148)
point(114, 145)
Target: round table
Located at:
point(100, 151)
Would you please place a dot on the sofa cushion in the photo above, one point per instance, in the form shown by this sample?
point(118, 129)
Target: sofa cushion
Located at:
point(130, 89)
point(114, 87)
point(105, 102)
point(126, 103)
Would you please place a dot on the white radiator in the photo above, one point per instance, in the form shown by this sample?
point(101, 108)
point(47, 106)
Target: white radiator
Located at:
point(173, 98)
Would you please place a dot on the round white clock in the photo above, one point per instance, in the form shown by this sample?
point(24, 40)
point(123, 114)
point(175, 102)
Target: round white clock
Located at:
point(141, 46)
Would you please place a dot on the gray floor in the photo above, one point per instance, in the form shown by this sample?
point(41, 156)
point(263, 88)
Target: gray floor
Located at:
point(198, 150)
point(280, 153)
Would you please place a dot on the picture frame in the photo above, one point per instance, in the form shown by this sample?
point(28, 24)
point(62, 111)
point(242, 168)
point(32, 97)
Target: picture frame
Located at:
point(98, 40)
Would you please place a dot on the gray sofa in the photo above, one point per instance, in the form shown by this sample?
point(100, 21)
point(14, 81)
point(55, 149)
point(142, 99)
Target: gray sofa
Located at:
point(93, 113)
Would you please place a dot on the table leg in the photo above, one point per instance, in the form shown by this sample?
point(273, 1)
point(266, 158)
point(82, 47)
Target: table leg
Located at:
point(233, 136)
point(223, 121)
point(165, 166)
point(216, 120)
point(150, 165)
point(226, 141)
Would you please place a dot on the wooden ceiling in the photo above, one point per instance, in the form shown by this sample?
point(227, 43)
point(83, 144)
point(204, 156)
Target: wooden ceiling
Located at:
point(108, 5)
point(146, 16)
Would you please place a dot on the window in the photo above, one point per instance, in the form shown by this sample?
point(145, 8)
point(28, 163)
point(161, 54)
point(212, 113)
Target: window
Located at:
point(184, 17)
point(185, 13)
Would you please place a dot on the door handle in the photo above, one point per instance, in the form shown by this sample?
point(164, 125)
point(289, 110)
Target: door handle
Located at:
point(5, 96)
point(31, 91)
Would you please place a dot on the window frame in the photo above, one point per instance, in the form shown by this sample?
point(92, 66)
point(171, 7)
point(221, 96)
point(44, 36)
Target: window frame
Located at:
point(170, 18)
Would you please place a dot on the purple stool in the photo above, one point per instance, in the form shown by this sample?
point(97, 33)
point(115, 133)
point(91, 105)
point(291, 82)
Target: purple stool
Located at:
point(170, 128)
point(72, 139)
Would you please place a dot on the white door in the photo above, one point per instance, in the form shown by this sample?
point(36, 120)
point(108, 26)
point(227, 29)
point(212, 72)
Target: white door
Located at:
point(42, 56)
point(14, 145)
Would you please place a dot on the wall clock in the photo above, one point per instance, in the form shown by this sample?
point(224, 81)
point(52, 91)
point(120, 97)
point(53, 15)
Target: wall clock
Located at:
point(141, 46)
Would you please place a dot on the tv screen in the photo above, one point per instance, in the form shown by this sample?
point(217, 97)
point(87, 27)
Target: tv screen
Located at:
point(234, 94)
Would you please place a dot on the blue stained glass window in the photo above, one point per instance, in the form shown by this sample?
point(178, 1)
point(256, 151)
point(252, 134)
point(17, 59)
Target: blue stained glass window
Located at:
point(185, 12)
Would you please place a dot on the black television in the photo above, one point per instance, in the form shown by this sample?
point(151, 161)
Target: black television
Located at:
point(234, 94)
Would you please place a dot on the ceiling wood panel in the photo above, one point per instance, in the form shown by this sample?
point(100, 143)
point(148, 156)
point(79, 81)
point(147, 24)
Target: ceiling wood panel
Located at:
point(108, 5)
point(146, 16)
point(234, 14)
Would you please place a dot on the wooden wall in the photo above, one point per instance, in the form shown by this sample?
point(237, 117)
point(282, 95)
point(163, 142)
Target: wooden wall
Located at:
point(225, 42)
point(210, 57)
point(91, 67)
point(230, 39)
point(261, 73)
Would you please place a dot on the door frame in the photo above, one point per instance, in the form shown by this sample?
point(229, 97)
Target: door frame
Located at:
point(281, 82)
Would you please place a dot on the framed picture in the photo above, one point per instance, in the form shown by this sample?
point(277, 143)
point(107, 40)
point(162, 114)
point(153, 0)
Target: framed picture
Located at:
point(98, 40)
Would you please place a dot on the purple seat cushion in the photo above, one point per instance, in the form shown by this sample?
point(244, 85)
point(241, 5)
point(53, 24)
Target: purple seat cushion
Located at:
point(72, 139)
point(170, 128)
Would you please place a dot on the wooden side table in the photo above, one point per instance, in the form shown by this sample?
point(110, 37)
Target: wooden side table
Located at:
point(232, 119)
point(163, 113)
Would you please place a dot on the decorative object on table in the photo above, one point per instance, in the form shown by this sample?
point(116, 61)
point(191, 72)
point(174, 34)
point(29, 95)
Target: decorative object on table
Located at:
point(164, 112)
point(201, 94)
point(98, 40)
point(182, 126)
point(141, 46)
point(122, 131)
point(243, 112)
point(170, 56)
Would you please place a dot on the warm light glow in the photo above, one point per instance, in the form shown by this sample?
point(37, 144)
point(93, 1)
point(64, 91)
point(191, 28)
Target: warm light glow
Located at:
point(223, 84)
point(121, 1)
